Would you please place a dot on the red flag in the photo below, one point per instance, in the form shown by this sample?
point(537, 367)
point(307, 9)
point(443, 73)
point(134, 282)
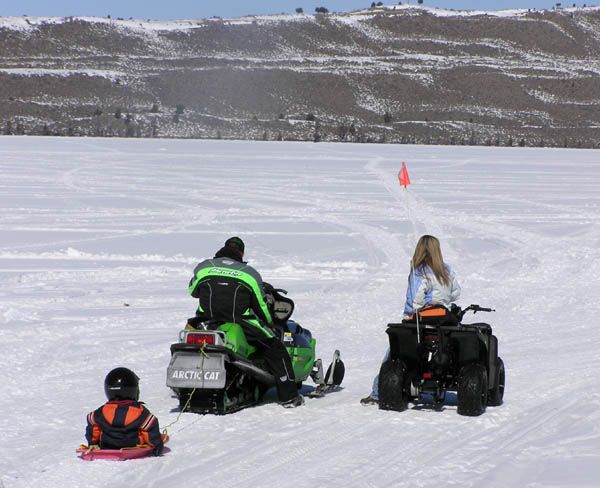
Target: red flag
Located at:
point(403, 176)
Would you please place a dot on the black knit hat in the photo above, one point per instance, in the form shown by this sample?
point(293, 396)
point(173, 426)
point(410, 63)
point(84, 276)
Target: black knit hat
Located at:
point(235, 243)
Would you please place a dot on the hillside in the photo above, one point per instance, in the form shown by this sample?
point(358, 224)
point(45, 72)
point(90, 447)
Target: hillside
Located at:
point(386, 74)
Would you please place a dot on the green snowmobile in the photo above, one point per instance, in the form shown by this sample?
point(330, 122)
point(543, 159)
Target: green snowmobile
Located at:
point(214, 369)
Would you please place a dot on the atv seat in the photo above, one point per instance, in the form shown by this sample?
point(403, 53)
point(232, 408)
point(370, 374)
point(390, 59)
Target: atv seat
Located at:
point(432, 315)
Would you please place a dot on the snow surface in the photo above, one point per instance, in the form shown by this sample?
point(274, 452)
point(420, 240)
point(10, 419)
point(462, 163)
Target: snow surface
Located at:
point(109, 74)
point(99, 238)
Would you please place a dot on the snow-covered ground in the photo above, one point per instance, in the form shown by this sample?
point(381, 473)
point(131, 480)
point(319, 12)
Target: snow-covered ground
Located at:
point(99, 238)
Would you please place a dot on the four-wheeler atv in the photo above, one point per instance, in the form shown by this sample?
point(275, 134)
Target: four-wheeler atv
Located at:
point(434, 353)
point(214, 369)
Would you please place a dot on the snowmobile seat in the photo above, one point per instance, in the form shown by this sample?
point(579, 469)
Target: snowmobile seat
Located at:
point(194, 322)
point(198, 323)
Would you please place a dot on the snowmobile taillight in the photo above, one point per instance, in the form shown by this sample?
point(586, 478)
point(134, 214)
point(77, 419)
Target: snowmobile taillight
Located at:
point(427, 376)
point(200, 338)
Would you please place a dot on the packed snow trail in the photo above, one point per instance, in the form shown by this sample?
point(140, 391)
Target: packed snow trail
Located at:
point(99, 240)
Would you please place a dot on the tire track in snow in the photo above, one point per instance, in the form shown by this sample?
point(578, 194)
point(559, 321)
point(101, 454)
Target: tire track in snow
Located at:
point(297, 455)
point(552, 348)
point(477, 457)
point(84, 181)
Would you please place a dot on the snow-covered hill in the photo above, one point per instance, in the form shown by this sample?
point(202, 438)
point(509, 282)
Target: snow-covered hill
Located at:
point(392, 73)
point(98, 239)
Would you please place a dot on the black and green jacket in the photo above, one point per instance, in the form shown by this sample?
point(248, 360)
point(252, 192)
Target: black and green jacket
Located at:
point(229, 290)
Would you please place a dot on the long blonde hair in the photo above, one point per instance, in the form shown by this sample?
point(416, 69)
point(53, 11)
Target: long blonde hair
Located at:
point(428, 252)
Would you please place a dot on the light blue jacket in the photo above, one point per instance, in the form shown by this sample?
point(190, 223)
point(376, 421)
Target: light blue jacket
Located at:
point(425, 289)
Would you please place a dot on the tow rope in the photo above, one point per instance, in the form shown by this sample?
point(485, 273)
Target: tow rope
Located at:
point(202, 356)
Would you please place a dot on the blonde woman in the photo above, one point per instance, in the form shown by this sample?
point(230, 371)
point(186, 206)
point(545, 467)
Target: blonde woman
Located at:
point(430, 282)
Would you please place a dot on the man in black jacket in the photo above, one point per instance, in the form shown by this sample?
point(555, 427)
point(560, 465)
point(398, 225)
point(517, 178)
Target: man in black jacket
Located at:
point(230, 290)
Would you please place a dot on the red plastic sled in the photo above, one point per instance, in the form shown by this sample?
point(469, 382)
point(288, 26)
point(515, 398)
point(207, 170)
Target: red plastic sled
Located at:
point(88, 454)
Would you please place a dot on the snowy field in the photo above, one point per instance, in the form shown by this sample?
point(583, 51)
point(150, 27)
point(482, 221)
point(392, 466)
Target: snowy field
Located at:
point(99, 238)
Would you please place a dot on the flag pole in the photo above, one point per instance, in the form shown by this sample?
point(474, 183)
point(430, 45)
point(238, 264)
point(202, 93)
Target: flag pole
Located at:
point(404, 181)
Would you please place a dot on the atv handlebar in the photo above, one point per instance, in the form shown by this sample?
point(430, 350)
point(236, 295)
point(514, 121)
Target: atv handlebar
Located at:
point(474, 308)
point(477, 308)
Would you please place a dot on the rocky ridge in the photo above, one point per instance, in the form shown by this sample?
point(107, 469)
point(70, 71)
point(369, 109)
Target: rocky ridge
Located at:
point(388, 74)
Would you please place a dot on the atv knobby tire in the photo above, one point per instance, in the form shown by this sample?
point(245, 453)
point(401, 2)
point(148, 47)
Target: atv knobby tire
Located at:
point(496, 393)
point(391, 386)
point(472, 390)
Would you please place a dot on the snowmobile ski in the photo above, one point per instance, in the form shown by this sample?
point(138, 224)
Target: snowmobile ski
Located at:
point(322, 390)
point(333, 378)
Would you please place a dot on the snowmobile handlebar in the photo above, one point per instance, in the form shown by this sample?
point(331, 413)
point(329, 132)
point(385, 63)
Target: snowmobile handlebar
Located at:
point(269, 288)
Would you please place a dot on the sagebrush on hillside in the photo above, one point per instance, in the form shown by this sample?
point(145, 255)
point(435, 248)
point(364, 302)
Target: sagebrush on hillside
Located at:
point(386, 74)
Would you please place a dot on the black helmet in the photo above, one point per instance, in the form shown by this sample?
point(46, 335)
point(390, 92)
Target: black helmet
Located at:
point(233, 249)
point(122, 384)
point(235, 243)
